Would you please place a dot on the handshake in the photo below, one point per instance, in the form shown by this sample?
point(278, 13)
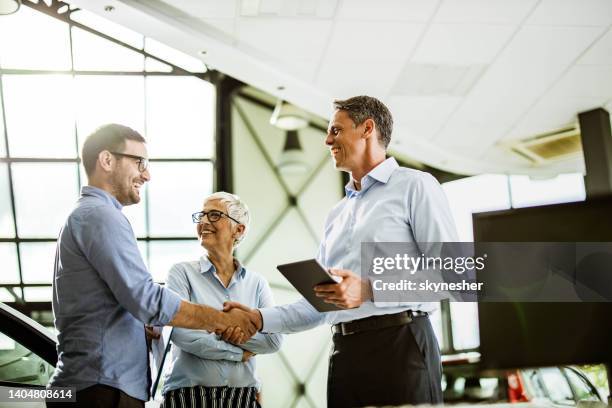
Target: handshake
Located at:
point(238, 323)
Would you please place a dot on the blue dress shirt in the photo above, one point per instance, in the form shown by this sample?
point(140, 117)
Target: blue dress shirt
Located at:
point(202, 358)
point(395, 204)
point(102, 295)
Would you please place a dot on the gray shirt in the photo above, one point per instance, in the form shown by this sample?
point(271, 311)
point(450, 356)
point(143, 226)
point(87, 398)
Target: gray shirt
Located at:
point(102, 295)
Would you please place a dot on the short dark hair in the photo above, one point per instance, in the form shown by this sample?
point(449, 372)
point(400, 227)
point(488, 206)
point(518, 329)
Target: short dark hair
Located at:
point(360, 108)
point(109, 137)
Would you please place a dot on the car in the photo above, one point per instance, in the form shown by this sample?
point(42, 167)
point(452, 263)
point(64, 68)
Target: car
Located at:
point(559, 386)
point(28, 356)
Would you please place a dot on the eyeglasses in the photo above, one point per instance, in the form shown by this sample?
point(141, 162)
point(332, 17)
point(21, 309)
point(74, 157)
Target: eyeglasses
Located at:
point(213, 216)
point(143, 163)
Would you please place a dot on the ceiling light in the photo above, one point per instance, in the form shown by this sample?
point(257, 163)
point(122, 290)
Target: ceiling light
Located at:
point(9, 6)
point(288, 117)
point(291, 161)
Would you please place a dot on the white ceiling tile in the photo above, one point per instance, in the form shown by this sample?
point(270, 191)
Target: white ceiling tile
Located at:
point(389, 41)
point(572, 12)
point(365, 77)
point(483, 11)
point(591, 81)
point(462, 44)
point(204, 8)
point(285, 38)
point(421, 115)
point(551, 113)
point(600, 52)
point(437, 80)
point(387, 10)
point(528, 67)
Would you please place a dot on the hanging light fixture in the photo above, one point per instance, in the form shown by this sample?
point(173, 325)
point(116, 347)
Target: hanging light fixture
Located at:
point(288, 117)
point(9, 6)
point(291, 160)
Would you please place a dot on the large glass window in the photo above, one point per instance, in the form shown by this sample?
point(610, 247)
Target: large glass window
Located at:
point(60, 82)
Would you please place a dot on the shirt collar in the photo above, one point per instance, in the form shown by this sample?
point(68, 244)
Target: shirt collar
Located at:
point(381, 173)
point(207, 266)
point(104, 195)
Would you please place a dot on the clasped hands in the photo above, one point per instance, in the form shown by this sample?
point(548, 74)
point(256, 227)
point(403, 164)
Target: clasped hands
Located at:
point(348, 293)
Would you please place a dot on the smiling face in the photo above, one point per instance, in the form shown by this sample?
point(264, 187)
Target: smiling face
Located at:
point(126, 180)
point(345, 141)
point(220, 234)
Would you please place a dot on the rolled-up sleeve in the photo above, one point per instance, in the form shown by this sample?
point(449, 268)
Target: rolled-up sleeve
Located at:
point(107, 240)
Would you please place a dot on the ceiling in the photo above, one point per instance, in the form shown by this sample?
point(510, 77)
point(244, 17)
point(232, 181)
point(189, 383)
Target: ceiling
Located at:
point(464, 79)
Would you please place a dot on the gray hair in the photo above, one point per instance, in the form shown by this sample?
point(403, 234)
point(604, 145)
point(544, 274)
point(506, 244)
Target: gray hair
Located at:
point(360, 108)
point(236, 208)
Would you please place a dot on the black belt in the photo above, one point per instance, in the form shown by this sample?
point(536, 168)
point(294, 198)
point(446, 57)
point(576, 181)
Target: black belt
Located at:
point(376, 322)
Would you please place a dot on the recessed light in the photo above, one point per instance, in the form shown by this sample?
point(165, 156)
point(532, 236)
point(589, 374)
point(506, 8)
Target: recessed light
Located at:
point(280, 88)
point(203, 52)
point(109, 9)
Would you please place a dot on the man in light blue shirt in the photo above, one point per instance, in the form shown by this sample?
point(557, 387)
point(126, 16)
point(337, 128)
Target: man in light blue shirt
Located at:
point(102, 291)
point(384, 353)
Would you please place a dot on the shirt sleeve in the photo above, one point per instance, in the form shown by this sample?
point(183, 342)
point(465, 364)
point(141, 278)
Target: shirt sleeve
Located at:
point(198, 342)
point(431, 221)
point(264, 343)
point(106, 239)
point(294, 317)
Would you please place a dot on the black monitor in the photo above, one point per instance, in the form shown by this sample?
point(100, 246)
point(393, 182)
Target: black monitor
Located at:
point(521, 334)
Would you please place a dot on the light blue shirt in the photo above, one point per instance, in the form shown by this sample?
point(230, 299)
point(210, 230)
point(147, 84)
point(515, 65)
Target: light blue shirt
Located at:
point(395, 204)
point(202, 358)
point(102, 296)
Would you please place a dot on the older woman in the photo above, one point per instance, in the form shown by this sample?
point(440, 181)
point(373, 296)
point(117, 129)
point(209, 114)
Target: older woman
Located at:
point(205, 370)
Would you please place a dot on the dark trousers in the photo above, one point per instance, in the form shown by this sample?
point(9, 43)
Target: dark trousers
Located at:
point(390, 366)
point(216, 397)
point(100, 396)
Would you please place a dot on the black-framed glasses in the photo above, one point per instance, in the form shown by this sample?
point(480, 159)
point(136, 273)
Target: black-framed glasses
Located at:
point(213, 216)
point(143, 163)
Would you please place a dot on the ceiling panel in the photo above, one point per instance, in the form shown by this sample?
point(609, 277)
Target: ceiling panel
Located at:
point(600, 52)
point(388, 10)
point(533, 61)
point(285, 38)
point(586, 81)
point(551, 113)
point(366, 77)
point(483, 11)
point(572, 12)
point(391, 41)
point(203, 8)
point(422, 115)
point(462, 44)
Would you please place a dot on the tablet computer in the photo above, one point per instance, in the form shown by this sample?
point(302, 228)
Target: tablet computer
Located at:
point(304, 276)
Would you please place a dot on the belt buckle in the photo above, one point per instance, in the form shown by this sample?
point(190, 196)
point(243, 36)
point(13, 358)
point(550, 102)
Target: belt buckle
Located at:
point(345, 331)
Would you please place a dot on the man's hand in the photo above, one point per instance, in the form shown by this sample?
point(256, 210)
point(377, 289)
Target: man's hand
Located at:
point(246, 355)
point(241, 322)
point(234, 334)
point(151, 335)
point(349, 293)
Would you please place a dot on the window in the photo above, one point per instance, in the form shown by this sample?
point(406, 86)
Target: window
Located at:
point(558, 389)
point(20, 365)
point(58, 83)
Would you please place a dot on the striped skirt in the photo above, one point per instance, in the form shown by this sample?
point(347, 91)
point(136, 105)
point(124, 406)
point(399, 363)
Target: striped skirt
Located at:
point(211, 397)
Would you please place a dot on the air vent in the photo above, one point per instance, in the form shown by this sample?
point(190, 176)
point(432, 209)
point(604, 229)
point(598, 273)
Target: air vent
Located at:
point(550, 147)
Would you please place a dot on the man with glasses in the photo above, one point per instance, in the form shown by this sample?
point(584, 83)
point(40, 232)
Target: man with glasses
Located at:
point(102, 292)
